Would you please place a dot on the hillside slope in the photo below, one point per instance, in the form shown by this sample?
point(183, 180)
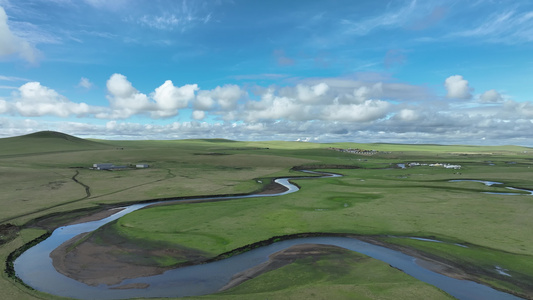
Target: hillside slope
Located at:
point(46, 142)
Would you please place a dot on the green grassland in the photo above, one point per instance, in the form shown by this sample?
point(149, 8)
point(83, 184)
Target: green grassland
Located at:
point(339, 275)
point(46, 174)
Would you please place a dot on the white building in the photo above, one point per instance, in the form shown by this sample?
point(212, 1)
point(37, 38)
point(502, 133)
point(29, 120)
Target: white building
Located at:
point(105, 166)
point(456, 167)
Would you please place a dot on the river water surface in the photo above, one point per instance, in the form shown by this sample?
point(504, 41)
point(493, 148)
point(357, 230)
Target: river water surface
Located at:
point(35, 267)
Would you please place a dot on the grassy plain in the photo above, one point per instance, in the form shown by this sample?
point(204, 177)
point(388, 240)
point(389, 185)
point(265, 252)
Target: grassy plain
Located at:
point(341, 274)
point(378, 199)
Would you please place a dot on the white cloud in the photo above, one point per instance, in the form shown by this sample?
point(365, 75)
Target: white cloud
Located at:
point(519, 109)
point(3, 106)
point(204, 101)
point(361, 94)
point(311, 93)
point(169, 98)
point(225, 97)
point(457, 87)
point(85, 83)
point(12, 44)
point(272, 107)
point(407, 115)
point(119, 86)
point(301, 104)
point(125, 100)
point(371, 86)
point(491, 96)
point(370, 110)
point(433, 127)
point(33, 99)
point(325, 110)
point(164, 102)
point(198, 114)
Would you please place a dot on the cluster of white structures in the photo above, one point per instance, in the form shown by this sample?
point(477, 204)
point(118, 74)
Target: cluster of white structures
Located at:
point(447, 166)
point(109, 166)
point(355, 151)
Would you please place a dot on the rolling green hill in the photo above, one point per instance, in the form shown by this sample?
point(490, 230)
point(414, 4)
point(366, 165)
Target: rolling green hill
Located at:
point(46, 142)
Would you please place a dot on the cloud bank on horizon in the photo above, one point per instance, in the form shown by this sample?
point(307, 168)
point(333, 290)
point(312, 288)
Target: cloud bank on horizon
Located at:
point(436, 71)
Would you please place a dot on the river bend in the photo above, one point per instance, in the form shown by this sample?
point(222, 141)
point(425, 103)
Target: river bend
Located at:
point(35, 267)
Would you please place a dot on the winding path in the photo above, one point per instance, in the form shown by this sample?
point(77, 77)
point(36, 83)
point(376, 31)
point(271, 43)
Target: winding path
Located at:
point(87, 188)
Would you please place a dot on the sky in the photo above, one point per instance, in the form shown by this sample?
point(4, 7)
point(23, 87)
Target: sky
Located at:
point(418, 72)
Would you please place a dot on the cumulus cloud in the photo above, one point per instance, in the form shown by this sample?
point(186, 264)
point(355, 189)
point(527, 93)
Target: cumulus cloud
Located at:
point(12, 44)
point(491, 96)
point(273, 107)
point(125, 100)
point(198, 114)
point(311, 93)
point(519, 109)
point(316, 102)
point(367, 86)
point(324, 110)
point(369, 110)
point(227, 95)
point(204, 101)
point(407, 115)
point(457, 87)
point(33, 99)
point(224, 98)
point(164, 102)
point(169, 98)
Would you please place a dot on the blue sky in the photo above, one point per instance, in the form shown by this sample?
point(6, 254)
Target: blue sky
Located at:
point(447, 72)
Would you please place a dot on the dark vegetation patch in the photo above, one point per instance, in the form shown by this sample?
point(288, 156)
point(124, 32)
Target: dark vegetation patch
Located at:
point(141, 252)
point(54, 220)
point(218, 141)
point(8, 232)
point(249, 148)
point(105, 257)
point(10, 267)
point(212, 153)
point(324, 166)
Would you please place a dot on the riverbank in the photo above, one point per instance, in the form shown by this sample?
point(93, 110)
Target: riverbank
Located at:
point(95, 264)
point(190, 256)
point(109, 258)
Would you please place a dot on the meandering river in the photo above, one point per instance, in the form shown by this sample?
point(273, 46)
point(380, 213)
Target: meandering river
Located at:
point(35, 267)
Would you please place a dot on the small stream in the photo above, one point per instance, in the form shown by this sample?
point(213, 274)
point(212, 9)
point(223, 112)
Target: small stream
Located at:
point(35, 267)
point(491, 183)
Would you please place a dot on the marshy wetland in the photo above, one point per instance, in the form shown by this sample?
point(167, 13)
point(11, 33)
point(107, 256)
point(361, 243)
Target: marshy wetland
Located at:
point(481, 237)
